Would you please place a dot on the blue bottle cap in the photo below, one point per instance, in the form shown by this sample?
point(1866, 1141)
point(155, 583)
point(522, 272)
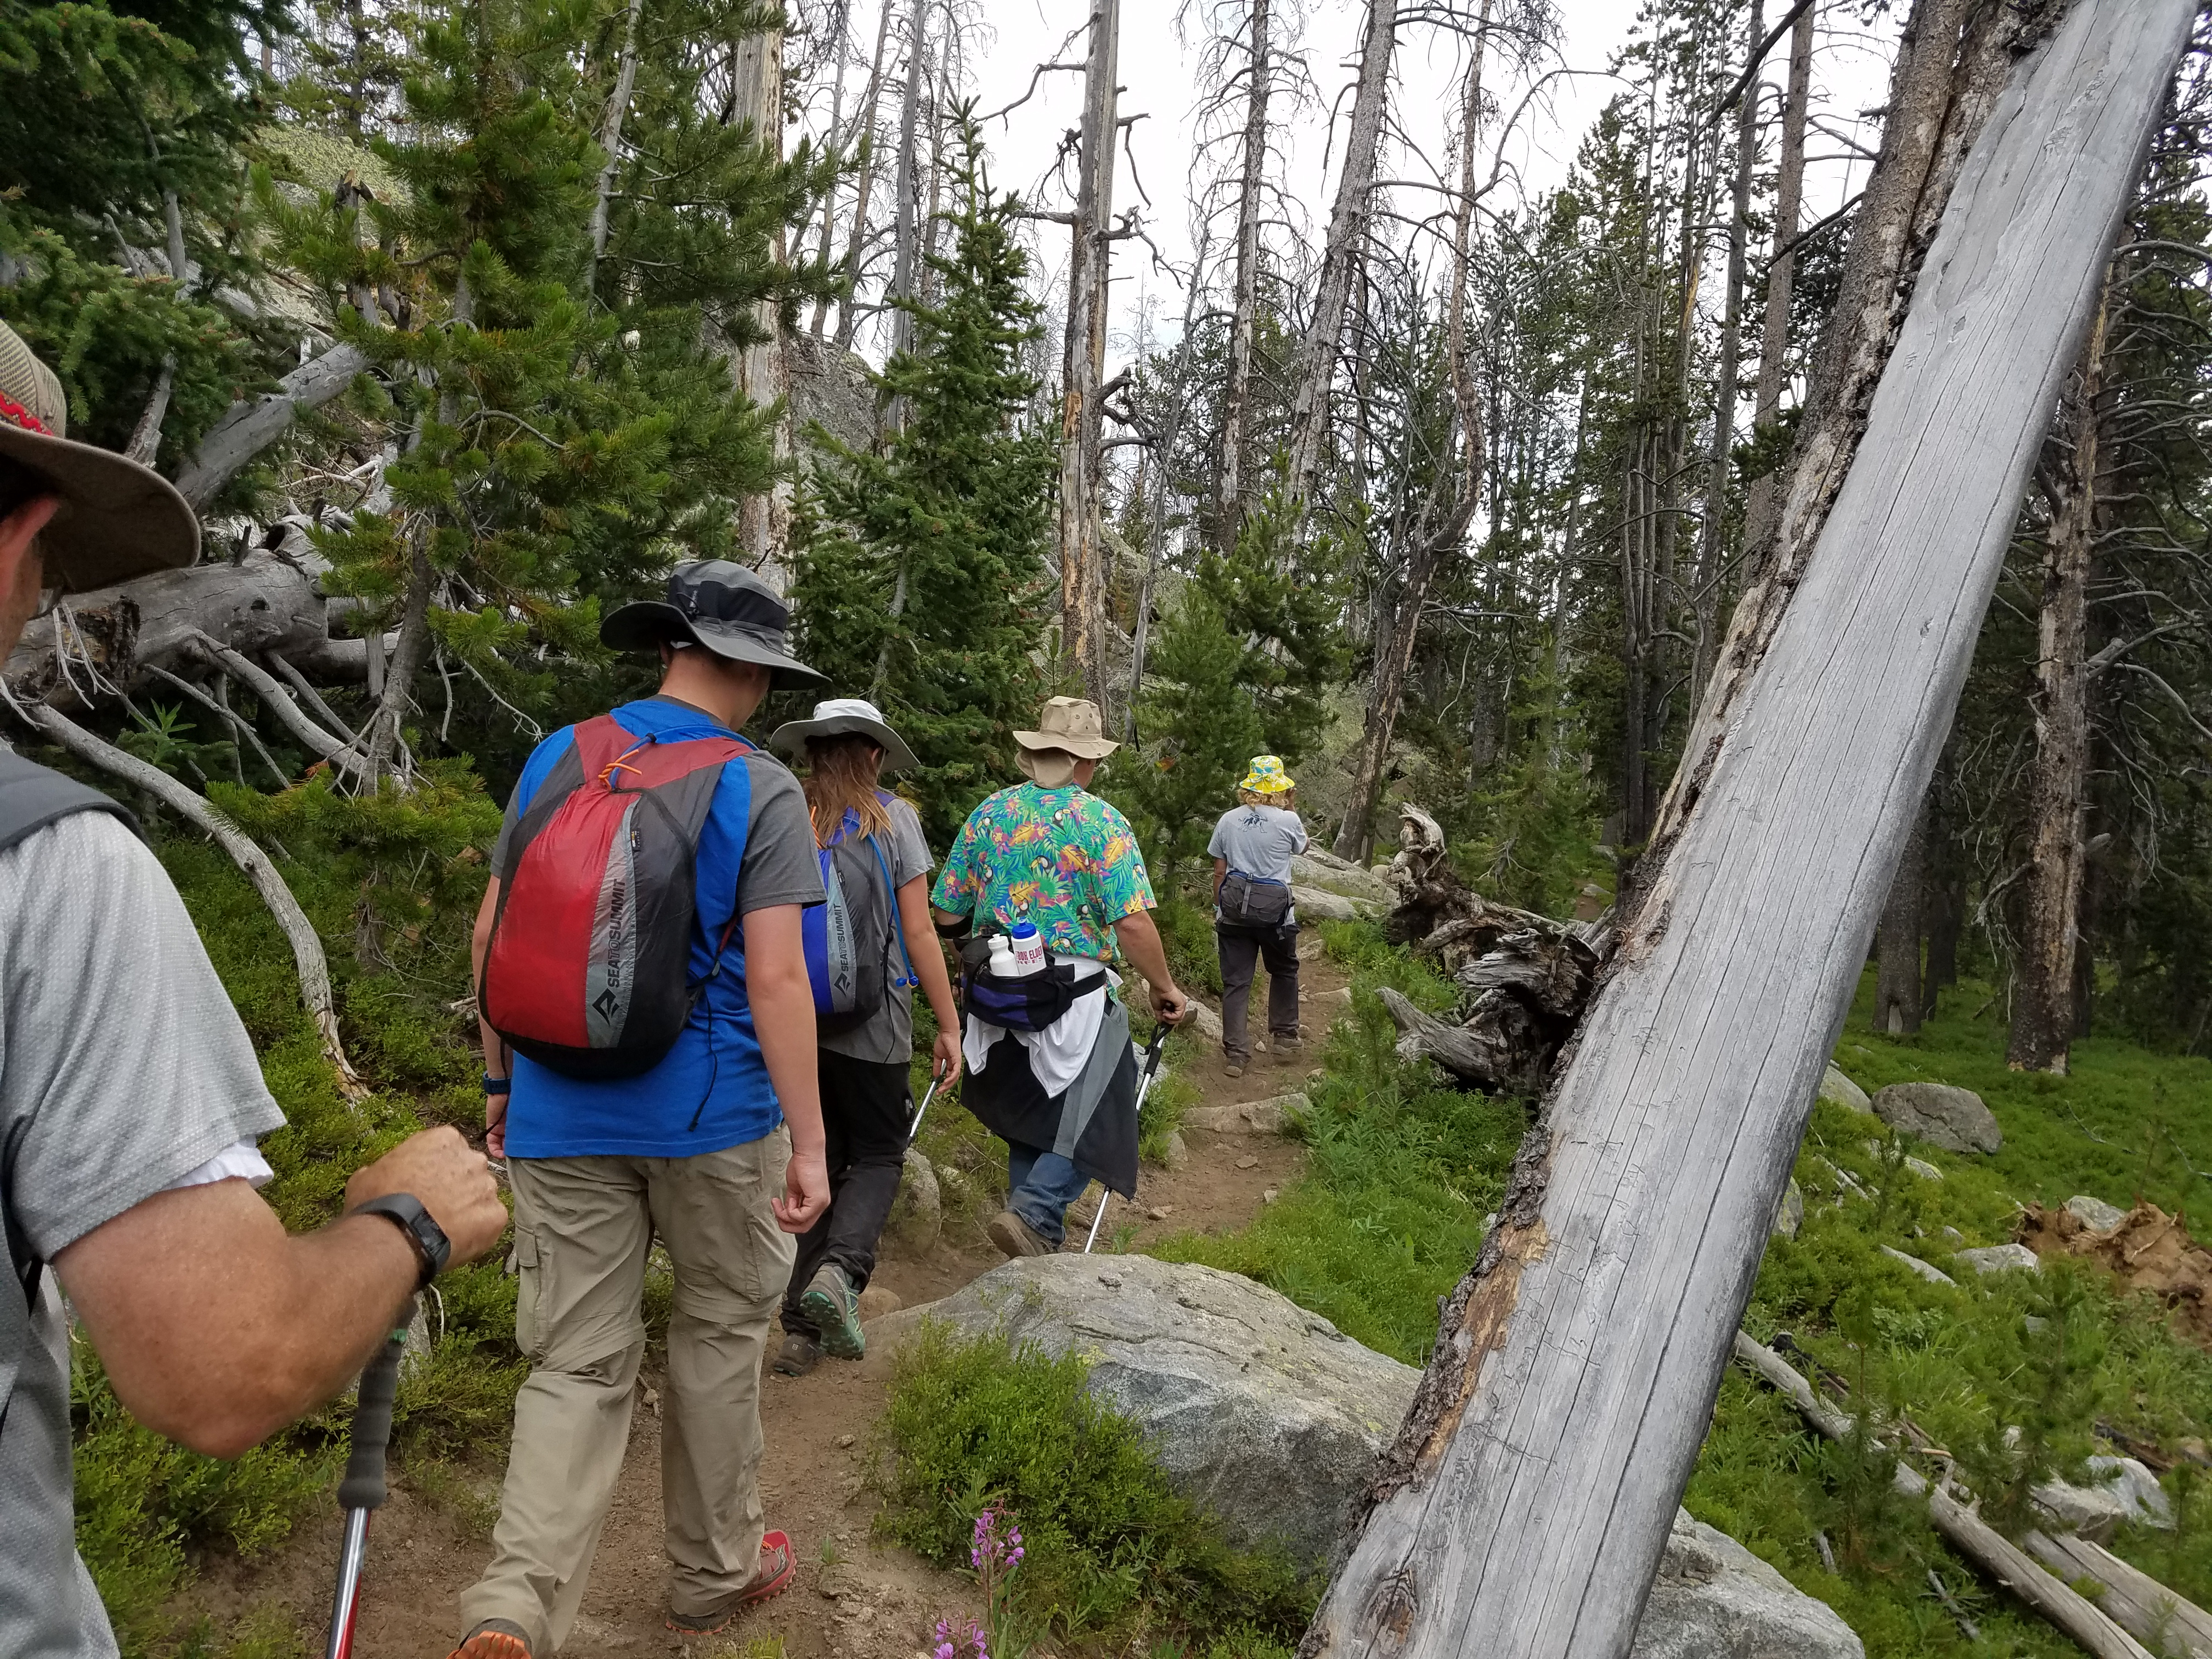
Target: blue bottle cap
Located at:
point(1023, 929)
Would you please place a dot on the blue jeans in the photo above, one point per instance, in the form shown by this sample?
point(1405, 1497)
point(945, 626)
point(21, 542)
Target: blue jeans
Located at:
point(1039, 1185)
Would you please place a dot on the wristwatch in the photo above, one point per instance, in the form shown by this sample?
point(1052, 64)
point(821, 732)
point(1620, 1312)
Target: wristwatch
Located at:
point(404, 1211)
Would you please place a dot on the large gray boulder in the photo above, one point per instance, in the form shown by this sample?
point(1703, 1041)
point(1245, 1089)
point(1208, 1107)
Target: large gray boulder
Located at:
point(1266, 1412)
point(1335, 875)
point(1714, 1599)
point(1274, 1417)
point(1953, 1119)
point(1319, 904)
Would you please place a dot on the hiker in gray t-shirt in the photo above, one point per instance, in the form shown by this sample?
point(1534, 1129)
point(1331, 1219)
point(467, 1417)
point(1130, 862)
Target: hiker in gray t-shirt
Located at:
point(131, 1101)
point(1253, 918)
point(866, 1103)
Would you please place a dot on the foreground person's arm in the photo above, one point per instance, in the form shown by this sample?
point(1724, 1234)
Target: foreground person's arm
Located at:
point(782, 1002)
point(217, 1327)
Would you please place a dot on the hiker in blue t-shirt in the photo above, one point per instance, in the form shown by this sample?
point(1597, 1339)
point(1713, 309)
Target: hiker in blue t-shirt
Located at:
point(694, 1152)
point(1252, 848)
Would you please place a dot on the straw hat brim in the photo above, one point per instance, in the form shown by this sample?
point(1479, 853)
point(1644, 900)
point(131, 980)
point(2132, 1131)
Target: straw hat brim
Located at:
point(643, 624)
point(118, 519)
point(790, 739)
point(1081, 748)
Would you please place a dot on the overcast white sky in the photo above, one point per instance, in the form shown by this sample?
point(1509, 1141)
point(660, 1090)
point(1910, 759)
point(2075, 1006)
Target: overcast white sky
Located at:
point(1160, 70)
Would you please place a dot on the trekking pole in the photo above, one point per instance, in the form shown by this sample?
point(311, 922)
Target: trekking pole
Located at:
point(1153, 1050)
point(928, 1095)
point(362, 1489)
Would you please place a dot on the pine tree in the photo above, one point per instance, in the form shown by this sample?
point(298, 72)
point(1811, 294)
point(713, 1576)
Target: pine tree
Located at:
point(561, 412)
point(123, 132)
point(919, 576)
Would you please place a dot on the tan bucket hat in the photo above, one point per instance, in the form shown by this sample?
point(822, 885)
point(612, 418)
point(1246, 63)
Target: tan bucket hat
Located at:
point(118, 519)
point(1071, 724)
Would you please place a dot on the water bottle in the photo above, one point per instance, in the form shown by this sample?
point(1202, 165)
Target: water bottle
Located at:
point(1027, 948)
point(1002, 957)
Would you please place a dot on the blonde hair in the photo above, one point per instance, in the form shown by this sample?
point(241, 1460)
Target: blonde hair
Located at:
point(841, 778)
point(1285, 798)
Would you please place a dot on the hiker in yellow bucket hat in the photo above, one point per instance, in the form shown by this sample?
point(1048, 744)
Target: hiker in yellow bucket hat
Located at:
point(1254, 920)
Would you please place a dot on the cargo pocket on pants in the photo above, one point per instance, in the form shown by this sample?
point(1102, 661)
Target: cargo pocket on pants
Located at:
point(529, 1286)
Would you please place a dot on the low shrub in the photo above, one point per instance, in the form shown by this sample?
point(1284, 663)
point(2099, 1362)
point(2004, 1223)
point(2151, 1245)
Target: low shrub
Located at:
point(1112, 1550)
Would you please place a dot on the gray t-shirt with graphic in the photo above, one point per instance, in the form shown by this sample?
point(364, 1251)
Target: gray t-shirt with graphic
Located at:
point(887, 1035)
point(1258, 840)
point(123, 1067)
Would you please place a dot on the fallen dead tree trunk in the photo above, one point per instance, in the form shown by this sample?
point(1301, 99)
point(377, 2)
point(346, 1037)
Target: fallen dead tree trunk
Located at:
point(264, 603)
point(2167, 1623)
point(307, 958)
point(1965, 1531)
point(1525, 1506)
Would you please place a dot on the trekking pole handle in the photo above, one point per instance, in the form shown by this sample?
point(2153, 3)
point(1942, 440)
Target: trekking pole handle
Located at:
point(363, 1487)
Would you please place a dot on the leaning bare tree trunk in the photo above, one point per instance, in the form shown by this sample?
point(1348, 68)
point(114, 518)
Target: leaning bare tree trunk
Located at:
point(1386, 692)
point(1897, 985)
point(250, 425)
point(307, 958)
point(610, 138)
point(1523, 1509)
point(1082, 366)
point(1781, 271)
point(2043, 993)
point(1341, 254)
point(1952, 65)
point(1244, 316)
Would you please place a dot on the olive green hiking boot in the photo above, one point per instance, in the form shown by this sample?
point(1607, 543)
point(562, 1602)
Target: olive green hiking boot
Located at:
point(830, 1302)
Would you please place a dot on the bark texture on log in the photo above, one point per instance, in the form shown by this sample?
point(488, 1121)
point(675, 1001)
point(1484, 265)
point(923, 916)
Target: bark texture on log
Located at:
point(1953, 63)
point(2167, 1623)
point(1525, 1506)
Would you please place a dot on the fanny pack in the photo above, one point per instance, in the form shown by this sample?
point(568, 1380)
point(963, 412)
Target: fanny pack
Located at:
point(1254, 901)
point(1025, 1002)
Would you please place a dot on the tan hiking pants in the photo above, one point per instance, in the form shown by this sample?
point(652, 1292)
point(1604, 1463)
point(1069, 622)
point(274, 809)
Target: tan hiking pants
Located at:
point(582, 1226)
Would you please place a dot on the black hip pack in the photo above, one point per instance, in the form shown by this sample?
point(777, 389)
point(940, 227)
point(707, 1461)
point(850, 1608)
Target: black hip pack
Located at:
point(1253, 902)
point(1024, 1002)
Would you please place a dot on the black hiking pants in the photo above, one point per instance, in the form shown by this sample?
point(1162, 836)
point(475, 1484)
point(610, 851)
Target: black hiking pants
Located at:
point(1242, 950)
point(865, 1110)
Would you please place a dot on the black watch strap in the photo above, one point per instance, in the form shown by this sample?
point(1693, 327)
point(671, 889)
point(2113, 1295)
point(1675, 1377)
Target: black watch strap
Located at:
point(404, 1211)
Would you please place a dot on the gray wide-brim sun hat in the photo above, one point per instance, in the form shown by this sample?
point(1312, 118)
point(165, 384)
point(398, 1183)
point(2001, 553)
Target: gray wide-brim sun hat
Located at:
point(839, 717)
point(720, 607)
point(118, 519)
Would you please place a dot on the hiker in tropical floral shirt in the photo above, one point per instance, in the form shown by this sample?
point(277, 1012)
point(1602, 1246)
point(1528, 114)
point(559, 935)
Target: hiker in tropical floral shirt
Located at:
point(1050, 1069)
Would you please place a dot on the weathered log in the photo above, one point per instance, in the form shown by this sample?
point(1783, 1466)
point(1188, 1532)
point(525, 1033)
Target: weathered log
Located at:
point(307, 958)
point(1500, 1049)
point(252, 424)
point(1525, 1506)
point(263, 603)
point(1965, 1531)
point(2165, 1623)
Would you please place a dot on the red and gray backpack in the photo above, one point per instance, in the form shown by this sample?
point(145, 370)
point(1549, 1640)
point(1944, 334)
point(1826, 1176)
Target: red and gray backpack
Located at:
point(588, 971)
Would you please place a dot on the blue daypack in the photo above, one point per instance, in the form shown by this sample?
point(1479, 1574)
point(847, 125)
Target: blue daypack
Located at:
point(848, 940)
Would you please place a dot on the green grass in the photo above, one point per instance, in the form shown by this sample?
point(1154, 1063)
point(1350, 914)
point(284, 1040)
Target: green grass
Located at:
point(1116, 1559)
point(2124, 1121)
point(1401, 1173)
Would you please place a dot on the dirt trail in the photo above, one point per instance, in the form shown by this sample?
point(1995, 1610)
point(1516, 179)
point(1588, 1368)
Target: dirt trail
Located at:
point(854, 1599)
